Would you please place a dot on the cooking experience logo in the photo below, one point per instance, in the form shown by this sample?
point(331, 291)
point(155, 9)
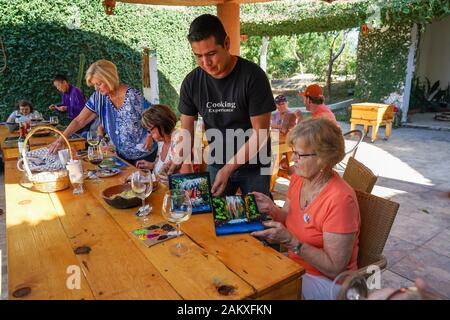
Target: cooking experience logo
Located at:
point(222, 106)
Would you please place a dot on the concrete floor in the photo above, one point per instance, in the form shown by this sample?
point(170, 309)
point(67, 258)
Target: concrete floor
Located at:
point(427, 121)
point(413, 169)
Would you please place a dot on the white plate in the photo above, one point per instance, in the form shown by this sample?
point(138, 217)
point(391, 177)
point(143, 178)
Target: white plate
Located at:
point(105, 173)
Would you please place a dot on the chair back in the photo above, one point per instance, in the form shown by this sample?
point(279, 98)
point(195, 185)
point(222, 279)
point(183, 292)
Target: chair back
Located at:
point(352, 140)
point(377, 217)
point(358, 176)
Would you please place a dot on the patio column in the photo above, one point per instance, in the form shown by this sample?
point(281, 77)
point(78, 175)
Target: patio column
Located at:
point(410, 67)
point(229, 13)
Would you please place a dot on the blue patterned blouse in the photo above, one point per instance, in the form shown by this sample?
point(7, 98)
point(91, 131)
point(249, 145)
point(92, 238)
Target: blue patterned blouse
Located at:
point(122, 125)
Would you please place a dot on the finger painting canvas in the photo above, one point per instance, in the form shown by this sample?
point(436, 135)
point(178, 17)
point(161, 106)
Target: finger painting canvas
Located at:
point(197, 186)
point(236, 214)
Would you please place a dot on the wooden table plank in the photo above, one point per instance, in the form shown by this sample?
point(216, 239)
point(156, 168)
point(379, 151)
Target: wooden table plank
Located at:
point(11, 152)
point(39, 252)
point(115, 269)
point(239, 261)
point(198, 274)
point(253, 262)
point(261, 266)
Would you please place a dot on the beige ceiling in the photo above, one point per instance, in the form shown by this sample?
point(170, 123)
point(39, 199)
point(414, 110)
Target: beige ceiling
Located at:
point(190, 2)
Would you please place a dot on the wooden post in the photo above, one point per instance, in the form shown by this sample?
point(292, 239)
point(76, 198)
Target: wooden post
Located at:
point(409, 72)
point(228, 12)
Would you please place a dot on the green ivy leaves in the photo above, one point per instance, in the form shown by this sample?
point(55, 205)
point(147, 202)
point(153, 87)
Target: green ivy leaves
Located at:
point(40, 44)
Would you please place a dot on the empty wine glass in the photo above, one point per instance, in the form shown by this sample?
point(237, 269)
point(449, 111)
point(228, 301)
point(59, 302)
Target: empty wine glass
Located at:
point(177, 208)
point(142, 186)
point(92, 138)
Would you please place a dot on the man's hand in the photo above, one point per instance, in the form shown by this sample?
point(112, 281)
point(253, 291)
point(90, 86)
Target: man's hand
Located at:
point(61, 108)
point(221, 181)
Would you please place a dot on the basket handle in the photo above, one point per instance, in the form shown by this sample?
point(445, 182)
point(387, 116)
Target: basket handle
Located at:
point(27, 138)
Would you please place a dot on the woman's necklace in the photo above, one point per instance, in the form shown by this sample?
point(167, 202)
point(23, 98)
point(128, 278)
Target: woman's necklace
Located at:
point(312, 188)
point(115, 98)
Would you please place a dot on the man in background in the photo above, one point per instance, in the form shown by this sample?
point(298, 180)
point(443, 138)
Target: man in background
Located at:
point(284, 118)
point(72, 100)
point(314, 102)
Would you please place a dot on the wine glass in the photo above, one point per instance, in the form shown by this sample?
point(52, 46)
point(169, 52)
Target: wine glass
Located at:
point(142, 186)
point(95, 156)
point(177, 208)
point(54, 120)
point(92, 138)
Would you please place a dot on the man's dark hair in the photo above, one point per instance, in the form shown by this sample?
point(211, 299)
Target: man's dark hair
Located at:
point(60, 77)
point(316, 100)
point(206, 26)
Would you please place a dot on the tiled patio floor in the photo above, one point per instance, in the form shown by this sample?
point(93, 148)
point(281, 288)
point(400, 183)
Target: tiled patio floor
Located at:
point(413, 169)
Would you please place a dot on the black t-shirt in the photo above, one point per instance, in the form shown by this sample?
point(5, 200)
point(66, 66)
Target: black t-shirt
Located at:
point(228, 103)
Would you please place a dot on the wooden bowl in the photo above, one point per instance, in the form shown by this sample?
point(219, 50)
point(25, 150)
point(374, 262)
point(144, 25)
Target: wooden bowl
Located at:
point(119, 202)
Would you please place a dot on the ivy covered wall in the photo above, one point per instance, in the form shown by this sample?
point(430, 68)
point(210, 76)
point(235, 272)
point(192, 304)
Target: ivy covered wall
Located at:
point(381, 62)
point(43, 38)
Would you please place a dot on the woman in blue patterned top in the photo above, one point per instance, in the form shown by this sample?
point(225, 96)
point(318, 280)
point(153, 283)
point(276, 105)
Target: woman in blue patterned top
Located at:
point(119, 108)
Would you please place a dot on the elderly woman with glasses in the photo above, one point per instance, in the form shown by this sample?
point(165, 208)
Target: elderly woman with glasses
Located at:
point(319, 222)
point(119, 108)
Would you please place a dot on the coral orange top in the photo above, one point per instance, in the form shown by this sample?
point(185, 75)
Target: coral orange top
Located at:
point(324, 111)
point(334, 210)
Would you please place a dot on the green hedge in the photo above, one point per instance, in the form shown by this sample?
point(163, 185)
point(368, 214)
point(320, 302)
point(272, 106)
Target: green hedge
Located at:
point(41, 42)
point(381, 63)
point(303, 16)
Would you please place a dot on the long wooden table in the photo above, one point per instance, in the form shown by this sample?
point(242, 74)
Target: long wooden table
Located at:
point(45, 229)
point(10, 151)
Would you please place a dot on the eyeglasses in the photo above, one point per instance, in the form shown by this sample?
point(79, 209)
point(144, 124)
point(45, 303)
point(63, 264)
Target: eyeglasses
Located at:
point(300, 155)
point(151, 128)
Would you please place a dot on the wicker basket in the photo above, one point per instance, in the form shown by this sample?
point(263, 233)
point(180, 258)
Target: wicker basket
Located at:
point(47, 181)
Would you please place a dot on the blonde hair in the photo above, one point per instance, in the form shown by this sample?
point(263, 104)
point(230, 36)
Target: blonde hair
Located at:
point(322, 136)
point(105, 71)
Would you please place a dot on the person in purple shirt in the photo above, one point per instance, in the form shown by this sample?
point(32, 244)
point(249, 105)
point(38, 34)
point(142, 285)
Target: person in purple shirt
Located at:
point(73, 100)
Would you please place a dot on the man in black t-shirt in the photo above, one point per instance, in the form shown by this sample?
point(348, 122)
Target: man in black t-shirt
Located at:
point(235, 100)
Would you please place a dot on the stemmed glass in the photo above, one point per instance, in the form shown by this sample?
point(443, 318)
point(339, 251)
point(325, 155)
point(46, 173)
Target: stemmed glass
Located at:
point(142, 186)
point(177, 208)
point(92, 138)
point(54, 120)
point(95, 156)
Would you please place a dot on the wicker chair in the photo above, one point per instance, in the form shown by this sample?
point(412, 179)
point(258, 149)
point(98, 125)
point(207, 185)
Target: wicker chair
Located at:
point(377, 217)
point(358, 176)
